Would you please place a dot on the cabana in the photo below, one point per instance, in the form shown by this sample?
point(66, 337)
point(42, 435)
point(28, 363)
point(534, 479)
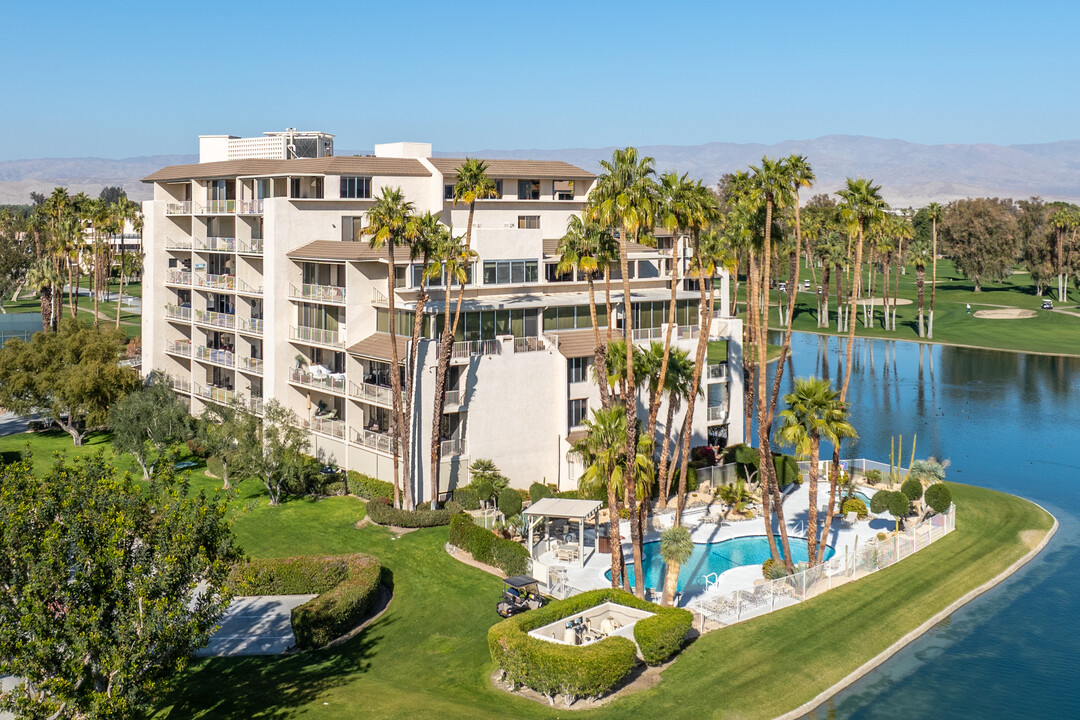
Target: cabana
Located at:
point(581, 511)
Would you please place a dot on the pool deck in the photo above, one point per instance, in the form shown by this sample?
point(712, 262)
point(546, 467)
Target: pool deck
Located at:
point(705, 529)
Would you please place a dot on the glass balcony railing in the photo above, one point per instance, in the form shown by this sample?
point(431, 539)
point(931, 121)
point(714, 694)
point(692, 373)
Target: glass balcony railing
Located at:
point(215, 355)
point(217, 394)
point(177, 243)
point(717, 412)
point(249, 207)
point(217, 282)
point(245, 288)
point(178, 347)
point(217, 319)
point(250, 247)
point(333, 338)
point(178, 277)
point(175, 312)
point(334, 383)
point(716, 372)
point(326, 426)
point(318, 293)
point(450, 448)
point(376, 394)
point(253, 326)
point(217, 244)
point(178, 208)
point(250, 364)
point(380, 442)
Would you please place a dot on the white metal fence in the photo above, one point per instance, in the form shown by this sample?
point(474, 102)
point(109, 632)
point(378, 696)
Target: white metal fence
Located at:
point(842, 568)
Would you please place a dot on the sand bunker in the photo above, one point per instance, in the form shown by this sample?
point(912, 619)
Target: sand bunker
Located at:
point(877, 301)
point(1005, 314)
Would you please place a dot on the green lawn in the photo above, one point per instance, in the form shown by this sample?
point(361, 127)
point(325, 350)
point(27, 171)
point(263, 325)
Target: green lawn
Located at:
point(129, 321)
point(427, 656)
point(1048, 332)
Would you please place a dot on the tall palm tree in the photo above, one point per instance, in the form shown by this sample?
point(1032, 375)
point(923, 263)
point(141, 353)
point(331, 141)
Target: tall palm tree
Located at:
point(920, 254)
point(578, 251)
point(935, 211)
point(902, 230)
point(43, 278)
point(1061, 220)
point(677, 385)
point(625, 196)
point(387, 224)
point(676, 547)
point(814, 412)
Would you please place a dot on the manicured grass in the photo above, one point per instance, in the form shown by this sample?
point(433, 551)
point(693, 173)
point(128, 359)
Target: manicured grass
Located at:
point(130, 322)
point(427, 656)
point(1048, 331)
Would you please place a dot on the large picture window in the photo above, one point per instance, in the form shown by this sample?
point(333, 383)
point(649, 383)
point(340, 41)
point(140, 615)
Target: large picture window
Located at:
point(528, 189)
point(505, 272)
point(356, 187)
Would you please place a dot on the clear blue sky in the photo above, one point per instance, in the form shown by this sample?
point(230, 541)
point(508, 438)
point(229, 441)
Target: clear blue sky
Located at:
point(116, 79)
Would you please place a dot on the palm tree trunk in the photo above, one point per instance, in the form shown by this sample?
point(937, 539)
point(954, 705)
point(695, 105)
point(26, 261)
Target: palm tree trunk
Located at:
point(654, 404)
point(599, 353)
point(631, 416)
point(834, 481)
point(618, 577)
point(395, 382)
point(95, 282)
point(811, 523)
point(663, 475)
point(933, 281)
point(920, 282)
point(823, 298)
point(851, 304)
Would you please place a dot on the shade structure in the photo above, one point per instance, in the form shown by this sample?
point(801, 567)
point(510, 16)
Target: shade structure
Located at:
point(580, 511)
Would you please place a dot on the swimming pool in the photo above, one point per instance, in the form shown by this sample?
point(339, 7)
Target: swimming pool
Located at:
point(713, 558)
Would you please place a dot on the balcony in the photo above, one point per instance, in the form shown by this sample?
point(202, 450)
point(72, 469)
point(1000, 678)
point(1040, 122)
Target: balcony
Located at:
point(253, 246)
point(255, 405)
point(216, 282)
point(318, 293)
point(716, 372)
point(217, 207)
point(639, 334)
point(378, 296)
point(216, 244)
point(217, 319)
point(217, 394)
point(450, 448)
point(178, 347)
point(245, 289)
point(327, 426)
point(250, 364)
point(372, 440)
point(331, 338)
point(177, 243)
point(453, 399)
point(375, 394)
point(254, 326)
point(529, 344)
point(180, 384)
point(717, 413)
point(178, 277)
point(689, 332)
point(215, 355)
point(465, 349)
point(178, 208)
point(330, 382)
point(175, 312)
point(249, 207)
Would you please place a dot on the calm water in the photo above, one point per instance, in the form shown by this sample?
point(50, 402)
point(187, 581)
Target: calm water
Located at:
point(715, 557)
point(1005, 421)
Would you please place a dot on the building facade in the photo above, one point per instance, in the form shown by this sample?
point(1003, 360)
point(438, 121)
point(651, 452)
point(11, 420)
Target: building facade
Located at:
point(258, 284)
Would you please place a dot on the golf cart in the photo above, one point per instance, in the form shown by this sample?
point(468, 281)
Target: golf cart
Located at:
point(1047, 304)
point(521, 594)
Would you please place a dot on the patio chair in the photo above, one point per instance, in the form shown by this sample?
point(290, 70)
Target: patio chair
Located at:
point(850, 519)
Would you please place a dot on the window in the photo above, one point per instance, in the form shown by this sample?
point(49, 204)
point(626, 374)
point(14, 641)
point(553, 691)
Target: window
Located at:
point(528, 222)
point(579, 410)
point(577, 369)
point(404, 322)
point(448, 192)
point(563, 189)
point(263, 188)
point(528, 189)
point(356, 187)
point(573, 318)
point(352, 229)
point(504, 272)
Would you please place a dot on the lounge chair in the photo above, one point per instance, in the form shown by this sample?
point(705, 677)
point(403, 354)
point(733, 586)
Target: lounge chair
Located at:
point(850, 519)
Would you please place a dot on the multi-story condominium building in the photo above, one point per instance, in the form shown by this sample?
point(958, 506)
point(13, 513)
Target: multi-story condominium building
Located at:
point(258, 284)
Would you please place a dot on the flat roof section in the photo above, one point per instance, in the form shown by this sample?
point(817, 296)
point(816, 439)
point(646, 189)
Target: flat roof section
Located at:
point(563, 508)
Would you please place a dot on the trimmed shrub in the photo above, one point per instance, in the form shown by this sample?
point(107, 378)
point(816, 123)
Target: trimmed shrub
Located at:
point(855, 505)
point(912, 488)
point(538, 491)
point(486, 547)
point(899, 505)
point(288, 576)
point(568, 494)
point(880, 502)
point(383, 513)
point(335, 488)
point(509, 502)
point(484, 489)
point(939, 497)
point(873, 477)
point(368, 487)
point(466, 497)
point(585, 671)
point(882, 536)
point(339, 610)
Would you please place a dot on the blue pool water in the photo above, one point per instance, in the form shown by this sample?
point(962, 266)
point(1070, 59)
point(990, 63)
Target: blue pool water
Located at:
point(713, 558)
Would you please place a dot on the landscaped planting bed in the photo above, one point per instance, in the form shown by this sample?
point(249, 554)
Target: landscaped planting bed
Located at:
point(383, 513)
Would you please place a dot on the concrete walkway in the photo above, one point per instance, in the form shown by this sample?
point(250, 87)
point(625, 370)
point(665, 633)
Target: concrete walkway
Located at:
point(256, 625)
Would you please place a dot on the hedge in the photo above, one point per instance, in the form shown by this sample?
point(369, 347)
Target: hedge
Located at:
point(337, 611)
point(590, 670)
point(346, 585)
point(486, 547)
point(467, 498)
point(382, 512)
point(368, 487)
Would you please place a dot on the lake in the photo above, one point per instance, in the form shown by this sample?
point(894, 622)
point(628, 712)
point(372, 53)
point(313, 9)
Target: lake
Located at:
point(1005, 421)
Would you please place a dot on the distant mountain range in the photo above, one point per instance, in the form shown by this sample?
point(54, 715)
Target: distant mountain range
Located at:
point(909, 173)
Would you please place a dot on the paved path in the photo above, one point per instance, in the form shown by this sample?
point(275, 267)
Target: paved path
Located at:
point(256, 625)
point(10, 423)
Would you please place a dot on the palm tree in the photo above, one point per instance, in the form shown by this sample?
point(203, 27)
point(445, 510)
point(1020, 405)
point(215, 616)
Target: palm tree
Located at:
point(677, 384)
point(814, 412)
point(578, 251)
point(919, 255)
point(676, 547)
point(125, 211)
point(625, 196)
point(902, 230)
point(601, 451)
point(1061, 220)
point(43, 278)
point(388, 221)
point(935, 211)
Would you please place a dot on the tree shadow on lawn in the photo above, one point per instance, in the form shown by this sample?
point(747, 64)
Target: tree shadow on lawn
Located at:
point(271, 687)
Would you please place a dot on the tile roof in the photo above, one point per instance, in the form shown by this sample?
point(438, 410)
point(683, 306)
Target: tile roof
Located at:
point(394, 167)
point(577, 343)
point(377, 346)
point(538, 169)
point(337, 250)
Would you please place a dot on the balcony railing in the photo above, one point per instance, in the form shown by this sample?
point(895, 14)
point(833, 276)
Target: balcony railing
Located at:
point(470, 348)
point(215, 355)
point(318, 293)
point(217, 319)
point(243, 287)
point(332, 383)
point(175, 312)
point(378, 296)
point(253, 246)
point(177, 243)
point(449, 448)
point(249, 207)
point(180, 384)
point(528, 344)
point(454, 397)
point(369, 392)
point(178, 277)
point(334, 338)
point(716, 372)
point(326, 426)
point(254, 325)
point(717, 412)
point(217, 282)
point(178, 208)
point(689, 331)
point(216, 207)
point(178, 347)
point(647, 333)
point(255, 404)
point(217, 394)
point(250, 364)
point(379, 442)
point(219, 244)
